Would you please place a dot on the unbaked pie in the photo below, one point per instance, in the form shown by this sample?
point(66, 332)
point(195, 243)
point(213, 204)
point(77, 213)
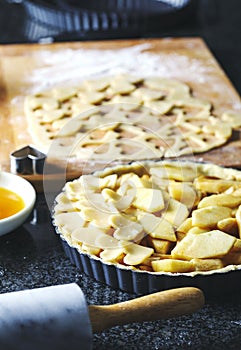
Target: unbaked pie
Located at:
point(156, 216)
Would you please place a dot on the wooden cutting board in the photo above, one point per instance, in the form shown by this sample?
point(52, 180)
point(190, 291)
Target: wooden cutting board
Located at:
point(185, 58)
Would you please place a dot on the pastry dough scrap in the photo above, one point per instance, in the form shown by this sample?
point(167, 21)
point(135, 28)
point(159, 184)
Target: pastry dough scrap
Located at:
point(161, 115)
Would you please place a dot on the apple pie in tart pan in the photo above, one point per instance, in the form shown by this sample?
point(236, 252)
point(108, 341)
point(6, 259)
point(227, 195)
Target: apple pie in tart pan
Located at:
point(148, 226)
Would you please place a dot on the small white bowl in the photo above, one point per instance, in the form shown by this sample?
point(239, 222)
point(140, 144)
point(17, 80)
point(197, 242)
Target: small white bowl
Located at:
point(26, 191)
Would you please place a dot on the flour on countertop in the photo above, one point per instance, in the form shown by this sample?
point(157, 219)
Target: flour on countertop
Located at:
point(68, 65)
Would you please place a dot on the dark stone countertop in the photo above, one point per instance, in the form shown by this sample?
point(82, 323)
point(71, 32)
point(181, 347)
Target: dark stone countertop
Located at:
point(32, 256)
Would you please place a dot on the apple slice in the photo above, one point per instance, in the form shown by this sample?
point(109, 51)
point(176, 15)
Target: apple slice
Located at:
point(157, 227)
point(172, 265)
point(212, 244)
point(176, 212)
point(149, 200)
point(208, 217)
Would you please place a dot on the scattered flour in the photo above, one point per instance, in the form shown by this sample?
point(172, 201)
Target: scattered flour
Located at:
point(68, 65)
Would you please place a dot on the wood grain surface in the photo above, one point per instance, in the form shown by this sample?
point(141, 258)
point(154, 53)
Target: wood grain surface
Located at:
point(188, 58)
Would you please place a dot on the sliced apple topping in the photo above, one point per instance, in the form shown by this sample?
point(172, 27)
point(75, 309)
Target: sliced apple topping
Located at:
point(157, 227)
point(158, 218)
point(69, 220)
point(148, 199)
point(183, 192)
point(210, 244)
point(119, 202)
point(176, 212)
point(136, 254)
point(172, 265)
point(208, 217)
point(222, 199)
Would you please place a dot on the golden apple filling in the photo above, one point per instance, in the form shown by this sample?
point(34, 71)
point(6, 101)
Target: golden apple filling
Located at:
point(175, 217)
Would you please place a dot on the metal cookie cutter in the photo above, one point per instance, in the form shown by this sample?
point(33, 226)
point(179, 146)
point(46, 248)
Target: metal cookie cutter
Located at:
point(27, 161)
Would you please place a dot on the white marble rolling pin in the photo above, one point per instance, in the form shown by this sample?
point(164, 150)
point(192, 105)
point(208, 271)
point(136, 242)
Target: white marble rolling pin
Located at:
point(58, 317)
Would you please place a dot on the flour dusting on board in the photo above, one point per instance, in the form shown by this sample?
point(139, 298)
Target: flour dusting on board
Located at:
point(69, 65)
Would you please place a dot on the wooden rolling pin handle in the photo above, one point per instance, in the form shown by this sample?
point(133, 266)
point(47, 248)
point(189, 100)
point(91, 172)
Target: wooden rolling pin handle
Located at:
point(156, 306)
